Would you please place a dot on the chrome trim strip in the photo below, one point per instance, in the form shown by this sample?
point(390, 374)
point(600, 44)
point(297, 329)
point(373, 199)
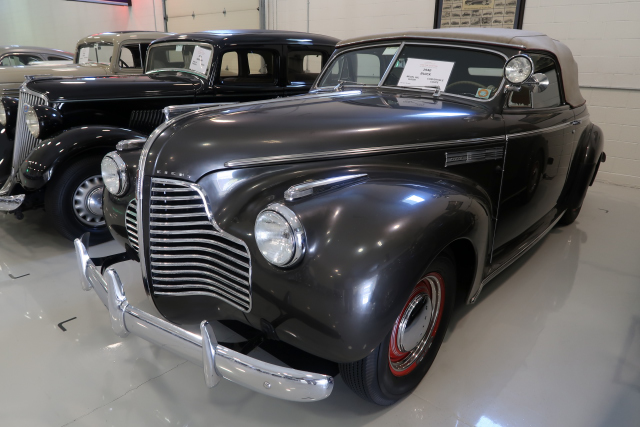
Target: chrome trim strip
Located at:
point(539, 131)
point(518, 254)
point(308, 188)
point(130, 144)
point(474, 156)
point(203, 350)
point(325, 155)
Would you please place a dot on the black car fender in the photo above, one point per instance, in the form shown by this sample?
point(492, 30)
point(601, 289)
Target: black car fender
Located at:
point(587, 158)
point(367, 245)
point(42, 163)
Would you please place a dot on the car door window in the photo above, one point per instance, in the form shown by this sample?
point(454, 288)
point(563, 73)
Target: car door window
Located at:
point(15, 60)
point(57, 58)
point(547, 99)
point(130, 57)
point(303, 67)
point(248, 67)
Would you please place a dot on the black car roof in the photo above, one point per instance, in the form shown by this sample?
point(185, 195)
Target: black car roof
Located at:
point(228, 37)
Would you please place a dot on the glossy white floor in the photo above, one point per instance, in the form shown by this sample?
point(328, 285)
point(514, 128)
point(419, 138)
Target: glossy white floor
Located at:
point(553, 341)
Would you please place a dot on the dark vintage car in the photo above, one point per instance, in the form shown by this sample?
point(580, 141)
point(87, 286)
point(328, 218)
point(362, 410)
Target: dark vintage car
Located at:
point(346, 223)
point(64, 126)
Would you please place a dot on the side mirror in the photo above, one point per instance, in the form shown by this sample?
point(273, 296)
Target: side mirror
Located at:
point(537, 83)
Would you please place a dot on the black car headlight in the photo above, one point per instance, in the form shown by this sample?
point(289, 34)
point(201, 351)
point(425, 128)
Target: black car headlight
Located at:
point(8, 112)
point(42, 121)
point(114, 174)
point(280, 235)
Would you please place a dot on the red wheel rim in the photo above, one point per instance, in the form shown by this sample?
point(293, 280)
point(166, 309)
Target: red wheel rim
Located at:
point(404, 362)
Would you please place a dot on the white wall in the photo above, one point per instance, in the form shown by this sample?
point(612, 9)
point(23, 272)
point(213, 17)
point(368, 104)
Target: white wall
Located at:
point(60, 23)
point(201, 15)
point(605, 39)
point(351, 18)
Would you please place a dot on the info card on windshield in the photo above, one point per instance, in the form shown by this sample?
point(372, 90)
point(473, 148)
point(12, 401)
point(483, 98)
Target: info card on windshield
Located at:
point(200, 60)
point(426, 72)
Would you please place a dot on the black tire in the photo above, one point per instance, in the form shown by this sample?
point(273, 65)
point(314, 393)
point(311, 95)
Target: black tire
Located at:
point(372, 378)
point(569, 216)
point(59, 200)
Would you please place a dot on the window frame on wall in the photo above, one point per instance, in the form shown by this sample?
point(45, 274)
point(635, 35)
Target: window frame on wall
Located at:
point(517, 21)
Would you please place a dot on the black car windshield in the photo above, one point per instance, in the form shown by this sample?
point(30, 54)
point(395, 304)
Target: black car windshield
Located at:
point(194, 58)
point(95, 53)
point(467, 72)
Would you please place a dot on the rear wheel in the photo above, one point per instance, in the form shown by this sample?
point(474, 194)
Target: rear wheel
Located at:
point(396, 367)
point(74, 201)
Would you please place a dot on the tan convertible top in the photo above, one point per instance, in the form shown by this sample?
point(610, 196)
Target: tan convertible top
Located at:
point(519, 39)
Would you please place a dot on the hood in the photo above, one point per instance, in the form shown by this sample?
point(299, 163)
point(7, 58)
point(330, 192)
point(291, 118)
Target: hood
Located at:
point(17, 74)
point(117, 87)
point(199, 143)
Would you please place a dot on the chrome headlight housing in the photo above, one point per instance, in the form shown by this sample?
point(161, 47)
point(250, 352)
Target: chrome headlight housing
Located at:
point(280, 235)
point(31, 119)
point(518, 69)
point(114, 174)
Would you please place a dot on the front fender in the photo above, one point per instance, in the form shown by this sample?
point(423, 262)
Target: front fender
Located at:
point(367, 246)
point(39, 166)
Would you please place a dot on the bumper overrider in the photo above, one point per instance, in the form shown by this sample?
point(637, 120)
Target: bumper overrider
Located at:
point(9, 203)
point(218, 361)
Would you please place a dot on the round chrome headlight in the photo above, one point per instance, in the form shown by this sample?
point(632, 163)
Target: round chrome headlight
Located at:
point(518, 69)
point(31, 118)
point(280, 235)
point(3, 115)
point(114, 174)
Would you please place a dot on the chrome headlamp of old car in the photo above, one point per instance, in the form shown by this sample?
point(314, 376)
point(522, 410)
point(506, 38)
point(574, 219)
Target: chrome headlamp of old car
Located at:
point(518, 69)
point(114, 174)
point(42, 121)
point(280, 235)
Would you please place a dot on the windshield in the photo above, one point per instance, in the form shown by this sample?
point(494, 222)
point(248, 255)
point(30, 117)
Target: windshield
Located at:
point(192, 58)
point(95, 53)
point(466, 72)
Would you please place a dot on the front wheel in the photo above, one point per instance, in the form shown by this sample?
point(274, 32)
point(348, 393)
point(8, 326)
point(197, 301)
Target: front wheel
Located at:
point(74, 201)
point(396, 367)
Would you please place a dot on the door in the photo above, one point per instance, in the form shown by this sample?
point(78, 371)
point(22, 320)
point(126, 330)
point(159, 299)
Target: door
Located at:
point(247, 75)
point(539, 128)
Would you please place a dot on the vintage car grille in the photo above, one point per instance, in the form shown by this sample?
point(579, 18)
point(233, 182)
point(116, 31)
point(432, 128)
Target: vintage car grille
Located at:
point(12, 93)
point(131, 220)
point(25, 142)
point(145, 120)
point(188, 253)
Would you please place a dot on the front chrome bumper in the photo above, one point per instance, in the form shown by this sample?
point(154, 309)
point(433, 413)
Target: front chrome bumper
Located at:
point(218, 361)
point(11, 203)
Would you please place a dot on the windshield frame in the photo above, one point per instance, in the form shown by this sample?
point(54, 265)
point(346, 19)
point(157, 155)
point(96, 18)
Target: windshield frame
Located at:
point(181, 70)
point(76, 59)
point(402, 45)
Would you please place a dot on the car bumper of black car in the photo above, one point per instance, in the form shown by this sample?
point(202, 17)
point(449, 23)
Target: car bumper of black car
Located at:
point(218, 361)
point(9, 203)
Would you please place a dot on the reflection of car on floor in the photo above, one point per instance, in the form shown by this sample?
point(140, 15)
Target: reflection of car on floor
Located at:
point(346, 223)
point(63, 127)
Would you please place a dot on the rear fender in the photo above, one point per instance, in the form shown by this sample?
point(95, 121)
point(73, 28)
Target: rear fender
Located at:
point(589, 153)
point(40, 165)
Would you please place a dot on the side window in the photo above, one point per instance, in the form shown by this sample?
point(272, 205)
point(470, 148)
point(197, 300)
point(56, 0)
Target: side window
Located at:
point(57, 58)
point(303, 67)
point(130, 57)
point(369, 71)
point(547, 99)
point(14, 60)
point(248, 67)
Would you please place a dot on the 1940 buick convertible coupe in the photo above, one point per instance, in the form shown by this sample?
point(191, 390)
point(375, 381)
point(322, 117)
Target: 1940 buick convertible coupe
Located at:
point(346, 223)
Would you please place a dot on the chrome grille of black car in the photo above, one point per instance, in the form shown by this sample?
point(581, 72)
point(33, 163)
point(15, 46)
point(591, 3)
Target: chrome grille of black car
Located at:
point(13, 93)
point(188, 253)
point(25, 142)
point(131, 220)
point(145, 120)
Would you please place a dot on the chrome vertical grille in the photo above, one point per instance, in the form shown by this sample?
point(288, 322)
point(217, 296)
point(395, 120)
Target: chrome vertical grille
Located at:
point(188, 253)
point(131, 221)
point(25, 142)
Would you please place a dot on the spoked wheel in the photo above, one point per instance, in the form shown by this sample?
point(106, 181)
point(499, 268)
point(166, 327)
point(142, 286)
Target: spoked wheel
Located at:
point(398, 364)
point(73, 200)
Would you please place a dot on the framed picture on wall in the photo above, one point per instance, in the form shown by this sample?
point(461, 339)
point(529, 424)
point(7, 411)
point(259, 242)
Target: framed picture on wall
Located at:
point(479, 13)
point(114, 2)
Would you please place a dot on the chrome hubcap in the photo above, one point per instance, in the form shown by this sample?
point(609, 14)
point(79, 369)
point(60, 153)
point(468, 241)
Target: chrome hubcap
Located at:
point(87, 201)
point(414, 322)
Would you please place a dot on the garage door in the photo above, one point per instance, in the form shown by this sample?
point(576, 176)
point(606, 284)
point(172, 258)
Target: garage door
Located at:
point(201, 15)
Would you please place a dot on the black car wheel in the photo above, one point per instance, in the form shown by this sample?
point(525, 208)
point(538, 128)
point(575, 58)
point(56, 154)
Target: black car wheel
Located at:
point(74, 201)
point(396, 367)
